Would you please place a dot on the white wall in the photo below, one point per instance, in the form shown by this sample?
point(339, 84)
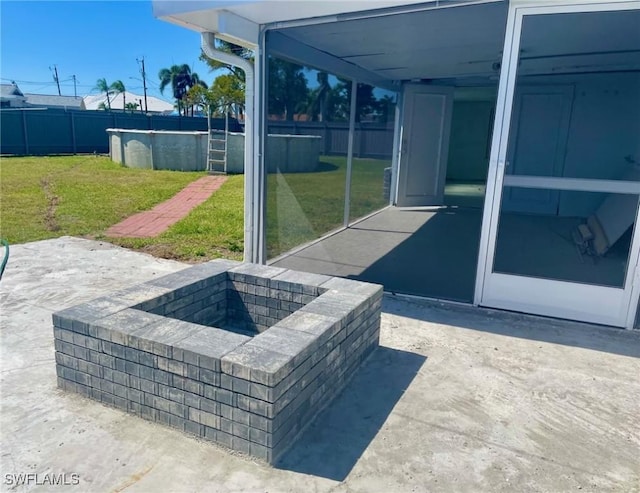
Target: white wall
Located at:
point(604, 128)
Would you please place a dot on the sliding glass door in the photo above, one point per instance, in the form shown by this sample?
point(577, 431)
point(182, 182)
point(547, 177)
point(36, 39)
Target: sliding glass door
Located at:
point(560, 236)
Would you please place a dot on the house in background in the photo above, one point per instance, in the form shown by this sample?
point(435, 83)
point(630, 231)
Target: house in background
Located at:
point(118, 101)
point(514, 168)
point(11, 96)
point(54, 101)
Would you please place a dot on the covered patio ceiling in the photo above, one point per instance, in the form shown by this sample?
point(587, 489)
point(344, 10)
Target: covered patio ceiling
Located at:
point(212, 15)
point(461, 41)
point(379, 43)
point(464, 43)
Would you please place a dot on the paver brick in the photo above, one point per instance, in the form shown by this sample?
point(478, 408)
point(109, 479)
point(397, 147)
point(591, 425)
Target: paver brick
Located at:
point(162, 216)
point(240, 354)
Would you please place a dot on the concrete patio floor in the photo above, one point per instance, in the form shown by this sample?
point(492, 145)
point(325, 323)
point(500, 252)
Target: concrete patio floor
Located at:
point(455, 399)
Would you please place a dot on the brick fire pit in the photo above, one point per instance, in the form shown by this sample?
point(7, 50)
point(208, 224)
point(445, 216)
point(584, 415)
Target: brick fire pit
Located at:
point(244, 355)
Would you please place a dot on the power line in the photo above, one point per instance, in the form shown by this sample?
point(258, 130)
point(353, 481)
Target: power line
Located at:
point(43, 87)
point(49, 84)
point(151, 86)
point(26, 81)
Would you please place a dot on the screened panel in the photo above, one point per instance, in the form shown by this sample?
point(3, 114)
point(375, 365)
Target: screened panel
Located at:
point(372, 151)
point(305, 155)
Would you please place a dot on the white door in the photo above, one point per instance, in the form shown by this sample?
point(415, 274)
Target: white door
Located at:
point(540, 127)
point(531, 258)
point(426, 127)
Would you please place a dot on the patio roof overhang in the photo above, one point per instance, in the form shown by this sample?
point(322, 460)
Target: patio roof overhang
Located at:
point(378, 42)
point(384, 42)
point(233, 17)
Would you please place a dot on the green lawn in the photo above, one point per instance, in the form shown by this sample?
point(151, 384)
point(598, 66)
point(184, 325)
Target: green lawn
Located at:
point(214, 229)
point(304, 206)
point(46, 197)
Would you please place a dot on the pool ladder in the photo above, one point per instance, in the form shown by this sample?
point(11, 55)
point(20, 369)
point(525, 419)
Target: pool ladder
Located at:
point(217, 149)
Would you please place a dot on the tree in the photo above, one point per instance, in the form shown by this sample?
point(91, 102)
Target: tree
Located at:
point(118, 88)
point(386, 106)
point(288, 91)
point(319, 99)
point(181, 80)
point(366, 102)
point(232, 84)
point(225, 91)
point(194, 82)
point(131, 107)
point(234, 50)
point(102, 86)
point(339, 101)
point(177, 76)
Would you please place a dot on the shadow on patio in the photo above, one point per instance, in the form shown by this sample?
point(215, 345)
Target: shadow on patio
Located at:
point(334, 442)
point(429, 253)
point(434, 254)
point(511, 324)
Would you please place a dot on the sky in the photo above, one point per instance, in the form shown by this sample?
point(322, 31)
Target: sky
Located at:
point(91, 40)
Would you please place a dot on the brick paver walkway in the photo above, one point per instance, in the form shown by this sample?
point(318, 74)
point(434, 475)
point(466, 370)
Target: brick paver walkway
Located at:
point(151, 223)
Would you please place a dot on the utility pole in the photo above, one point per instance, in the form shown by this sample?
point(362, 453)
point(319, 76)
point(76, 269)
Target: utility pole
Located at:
point(75, 92)
point(144, 83)
point(55, 78)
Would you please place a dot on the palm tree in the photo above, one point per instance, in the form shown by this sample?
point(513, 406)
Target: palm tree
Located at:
point(195, 80)
point(118, 88)
point(235, 72)
point(234, 50)
point(102, 86)
point(288, 89)
point(131, 107)
point(319, 99)
point(181, 80)
point(178, 76)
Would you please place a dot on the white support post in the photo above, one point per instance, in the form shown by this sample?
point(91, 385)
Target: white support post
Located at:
point(397, 152)
point(352, 131)
point(260, 135)
point(494, 176)
point(209, 48)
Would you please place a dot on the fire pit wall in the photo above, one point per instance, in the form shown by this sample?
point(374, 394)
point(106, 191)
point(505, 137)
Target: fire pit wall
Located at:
point(240, 354)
